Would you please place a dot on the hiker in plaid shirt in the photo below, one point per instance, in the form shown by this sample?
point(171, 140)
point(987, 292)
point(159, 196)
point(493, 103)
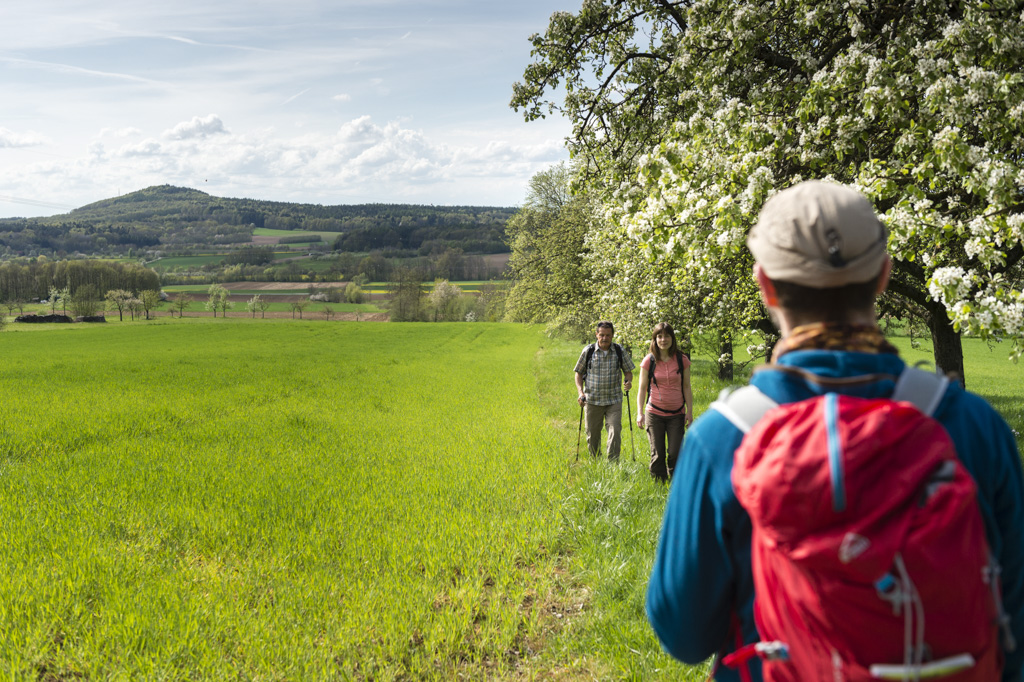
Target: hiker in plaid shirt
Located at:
point(599, 389)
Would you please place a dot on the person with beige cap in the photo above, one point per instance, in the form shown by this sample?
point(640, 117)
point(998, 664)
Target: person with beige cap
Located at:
point(820, 261)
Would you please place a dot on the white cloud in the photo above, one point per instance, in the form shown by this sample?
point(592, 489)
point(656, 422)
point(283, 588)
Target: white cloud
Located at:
point(198, 127)
point(144, 148)
point(343, 97)
point(9, 139)
point(361, 162)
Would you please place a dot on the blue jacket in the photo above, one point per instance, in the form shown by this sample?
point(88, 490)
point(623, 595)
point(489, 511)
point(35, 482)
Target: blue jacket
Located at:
point(701, 592)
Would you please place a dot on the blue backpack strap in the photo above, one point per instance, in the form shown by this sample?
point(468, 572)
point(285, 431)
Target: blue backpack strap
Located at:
point(744, 406)
point(923, 390)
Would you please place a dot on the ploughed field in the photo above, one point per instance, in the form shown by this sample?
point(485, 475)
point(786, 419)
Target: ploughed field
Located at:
point(283, 500)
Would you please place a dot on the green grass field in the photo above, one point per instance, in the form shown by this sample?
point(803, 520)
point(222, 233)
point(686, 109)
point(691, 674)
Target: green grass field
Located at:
point(277, 499)
point(313, 310)
point(328, 237)
point(203, 289)
point(198, 306)
point(287, 501)
point(188, 261)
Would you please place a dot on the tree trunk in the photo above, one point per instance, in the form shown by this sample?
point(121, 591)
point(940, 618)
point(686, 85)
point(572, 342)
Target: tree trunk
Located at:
point(725, 355)
point(771, 336)
point(949, 353)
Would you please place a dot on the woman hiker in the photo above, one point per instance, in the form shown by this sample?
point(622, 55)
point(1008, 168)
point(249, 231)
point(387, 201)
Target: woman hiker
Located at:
point(665, 391)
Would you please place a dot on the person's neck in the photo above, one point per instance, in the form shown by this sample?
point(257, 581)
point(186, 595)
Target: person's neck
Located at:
point(787, 321)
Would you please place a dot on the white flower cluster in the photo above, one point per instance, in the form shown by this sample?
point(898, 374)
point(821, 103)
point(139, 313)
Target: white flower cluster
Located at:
point(948, 285)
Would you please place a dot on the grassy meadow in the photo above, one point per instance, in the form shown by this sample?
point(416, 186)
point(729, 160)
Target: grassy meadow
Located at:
point(276, 499)
point(273, 500)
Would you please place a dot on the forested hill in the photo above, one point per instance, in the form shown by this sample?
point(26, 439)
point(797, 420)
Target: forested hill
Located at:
point(167, 215)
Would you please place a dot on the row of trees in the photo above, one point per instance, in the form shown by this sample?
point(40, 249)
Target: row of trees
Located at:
point(689, 114)
point(378, 266)
point(472, 238)
point(409, 300)
point(87, 301)
point(34, 279)
point(445, 263)
point(218, 300)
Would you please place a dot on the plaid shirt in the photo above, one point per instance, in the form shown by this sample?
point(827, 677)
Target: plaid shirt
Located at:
point(603, 385)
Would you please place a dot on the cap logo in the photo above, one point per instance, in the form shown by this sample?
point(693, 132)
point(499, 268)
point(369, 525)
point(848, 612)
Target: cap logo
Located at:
point(835, 244)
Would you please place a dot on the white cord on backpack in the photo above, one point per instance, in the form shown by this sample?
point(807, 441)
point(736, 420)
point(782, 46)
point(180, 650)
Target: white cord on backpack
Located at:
point(913, 638)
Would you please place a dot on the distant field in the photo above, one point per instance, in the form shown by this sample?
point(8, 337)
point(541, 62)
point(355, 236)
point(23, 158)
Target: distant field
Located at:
point(199, 261)
point(313, 265)
point(303, 287)
point(280, 295)
point(187, 261)
point(264, 289)
point(267, 232)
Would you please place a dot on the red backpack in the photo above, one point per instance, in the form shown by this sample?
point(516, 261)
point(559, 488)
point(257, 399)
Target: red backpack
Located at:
point(868, 550)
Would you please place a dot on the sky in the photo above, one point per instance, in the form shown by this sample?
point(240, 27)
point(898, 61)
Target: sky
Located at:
point(312, 101)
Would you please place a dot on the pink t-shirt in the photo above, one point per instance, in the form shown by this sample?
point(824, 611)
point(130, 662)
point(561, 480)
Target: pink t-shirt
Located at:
point(668, 393)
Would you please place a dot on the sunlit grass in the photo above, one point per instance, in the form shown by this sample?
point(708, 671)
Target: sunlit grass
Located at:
point(283, 500)
point(207, 498)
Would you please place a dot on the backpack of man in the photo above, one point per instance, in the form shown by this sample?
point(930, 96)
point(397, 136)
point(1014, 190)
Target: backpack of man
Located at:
point(869, 553)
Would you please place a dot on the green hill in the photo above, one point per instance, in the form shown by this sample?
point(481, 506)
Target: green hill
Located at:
point(170, 218)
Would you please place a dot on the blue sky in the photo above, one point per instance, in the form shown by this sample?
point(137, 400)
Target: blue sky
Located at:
point(350, 101)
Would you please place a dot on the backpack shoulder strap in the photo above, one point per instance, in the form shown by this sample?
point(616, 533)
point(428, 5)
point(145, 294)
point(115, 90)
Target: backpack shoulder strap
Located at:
point(618, 352)
point(924, 390)
point(586, 360)
point(744, 406)
point(679, 364)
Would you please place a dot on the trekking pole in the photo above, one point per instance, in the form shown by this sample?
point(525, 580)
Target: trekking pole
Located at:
point(579, 434)
point(629, 411)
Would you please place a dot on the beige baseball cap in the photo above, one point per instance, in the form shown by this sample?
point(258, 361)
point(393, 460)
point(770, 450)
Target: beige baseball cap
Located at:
point(820, 235)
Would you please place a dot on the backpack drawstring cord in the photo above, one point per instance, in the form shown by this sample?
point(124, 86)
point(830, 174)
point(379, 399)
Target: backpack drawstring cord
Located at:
point(901, 593)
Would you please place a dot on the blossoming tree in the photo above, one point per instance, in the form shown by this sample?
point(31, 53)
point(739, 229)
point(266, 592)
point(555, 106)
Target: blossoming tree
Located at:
point(692, 112)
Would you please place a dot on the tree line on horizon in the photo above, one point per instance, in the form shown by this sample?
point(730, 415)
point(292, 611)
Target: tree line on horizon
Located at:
point(34, 280)
point(169, 218)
